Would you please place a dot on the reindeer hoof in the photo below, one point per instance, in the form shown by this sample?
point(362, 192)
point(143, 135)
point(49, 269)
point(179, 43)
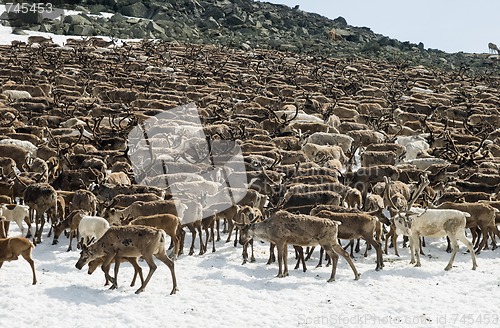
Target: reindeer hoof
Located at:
point(55, 242)
point(140, 290)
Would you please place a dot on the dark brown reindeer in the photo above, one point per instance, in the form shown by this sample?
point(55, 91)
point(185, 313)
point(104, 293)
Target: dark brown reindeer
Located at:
point(41, 198)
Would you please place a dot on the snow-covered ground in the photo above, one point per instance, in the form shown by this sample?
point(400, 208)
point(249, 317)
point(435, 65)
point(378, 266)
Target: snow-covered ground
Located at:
point(216, 290)
point(6, 36)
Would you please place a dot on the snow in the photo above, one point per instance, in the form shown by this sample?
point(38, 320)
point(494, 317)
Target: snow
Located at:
point(6, 36)
point(216, 289)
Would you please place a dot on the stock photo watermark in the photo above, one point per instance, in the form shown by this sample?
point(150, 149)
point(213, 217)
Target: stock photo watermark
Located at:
point(370, 320)
point(172, 151)
point(22, 11)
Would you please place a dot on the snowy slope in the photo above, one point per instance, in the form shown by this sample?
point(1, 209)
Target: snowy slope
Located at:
point(6, 36)
point(215, 290)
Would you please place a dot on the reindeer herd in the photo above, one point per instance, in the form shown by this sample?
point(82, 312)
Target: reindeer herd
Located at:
point(334, 150)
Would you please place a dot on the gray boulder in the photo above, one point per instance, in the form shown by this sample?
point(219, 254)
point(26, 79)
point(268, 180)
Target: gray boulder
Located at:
point(137, 9)
point(76, 20)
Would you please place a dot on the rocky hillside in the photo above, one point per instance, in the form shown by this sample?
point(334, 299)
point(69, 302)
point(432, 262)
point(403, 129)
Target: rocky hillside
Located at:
point(244, 24)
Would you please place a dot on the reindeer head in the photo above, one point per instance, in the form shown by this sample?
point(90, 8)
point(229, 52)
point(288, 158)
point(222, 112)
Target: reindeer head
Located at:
point(86, 255)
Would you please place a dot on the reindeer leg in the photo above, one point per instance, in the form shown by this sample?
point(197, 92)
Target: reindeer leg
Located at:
point(27, 256)
point(193, 233)
point(421, 244)
point(230, 229)
point(321, 252)
point(213, 236)
point(39, 232)
point(105, 267)
point(152, 268)
point(272, 258)
point(170, 264)
point(281, 249)
point(357, 248)
point(244, 254)
point(217, 222)
point(309, 252)
point(200, 236)
point(236, 236)
point(137, 270)
point(252, 257)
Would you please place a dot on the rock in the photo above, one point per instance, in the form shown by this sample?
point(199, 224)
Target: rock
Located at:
point(76, 20)
point(287, 47)
point(245, 46)
point(273, 17)
point(133, 20)
point(340, 21)
point(263, 32)
point(84, 30)
point(372, 46)
point(23, 19)
point(4, 16)
point(235, 20)
point(46, 28)
point(138, 32)
point(137, 9)
point(18, 31)
point(97, 9)
point(214, 12)
point(155, 28)
point(247, 31)
point(302, 31)
point(65, 28)
point(209, 23)
point(84, 10)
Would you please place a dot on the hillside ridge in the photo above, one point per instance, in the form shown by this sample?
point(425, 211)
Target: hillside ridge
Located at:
point(244, 24)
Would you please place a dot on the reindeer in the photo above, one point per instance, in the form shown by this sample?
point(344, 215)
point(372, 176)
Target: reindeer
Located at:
point(283, 228)
point(493, 47)
point(130, 241)
point(41, 198)
point(11, 248)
